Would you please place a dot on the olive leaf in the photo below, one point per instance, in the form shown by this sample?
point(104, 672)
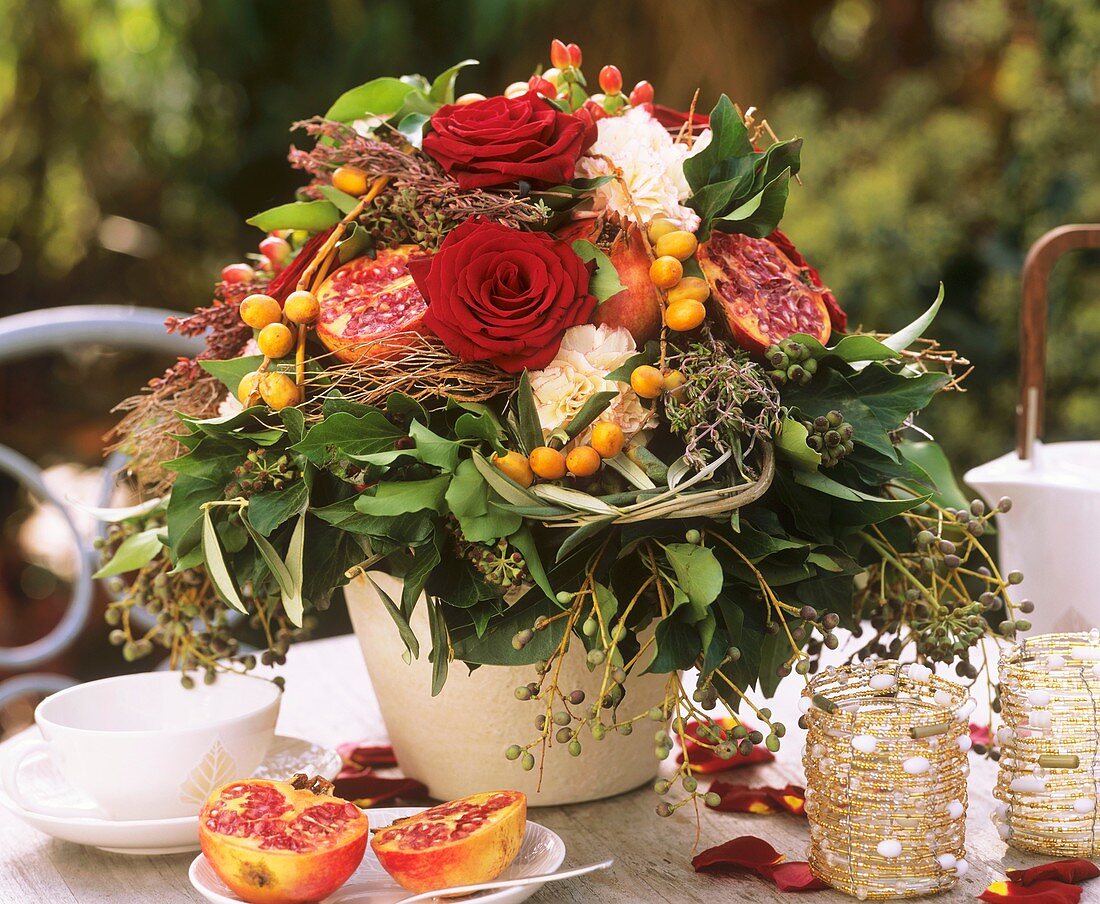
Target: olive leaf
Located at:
point(295, 556)
point(215, 564)
point(135, 551)
point(312, 216)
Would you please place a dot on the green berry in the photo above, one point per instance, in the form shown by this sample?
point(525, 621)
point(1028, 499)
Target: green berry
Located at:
point(513, 752)
point(661, 786)
point(590, 627)
point(574, 747)
point(527, 761)
point(712, 799)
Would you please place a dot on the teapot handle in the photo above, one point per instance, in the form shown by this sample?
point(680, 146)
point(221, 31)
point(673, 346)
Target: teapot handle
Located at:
point(1033, 325)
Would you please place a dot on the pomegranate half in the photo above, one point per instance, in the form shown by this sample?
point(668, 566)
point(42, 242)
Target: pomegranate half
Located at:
point(282, 842)
point(466, 841)
point(761, 291)
point(367, 302)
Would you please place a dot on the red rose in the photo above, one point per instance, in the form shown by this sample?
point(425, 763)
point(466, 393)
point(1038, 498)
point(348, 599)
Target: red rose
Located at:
point(501, 295)
point(502, 140)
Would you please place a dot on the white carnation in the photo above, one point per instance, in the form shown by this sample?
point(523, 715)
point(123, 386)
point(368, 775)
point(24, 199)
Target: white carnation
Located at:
point(652, 164)
point(587, 354)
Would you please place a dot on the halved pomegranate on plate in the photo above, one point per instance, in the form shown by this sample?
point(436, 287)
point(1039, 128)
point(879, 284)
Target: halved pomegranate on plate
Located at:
point(463, 842)
point(282, 842)
point(761, 291)
point(367, 303)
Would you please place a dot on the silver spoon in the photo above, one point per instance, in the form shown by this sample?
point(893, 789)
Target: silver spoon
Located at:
point(508, 883)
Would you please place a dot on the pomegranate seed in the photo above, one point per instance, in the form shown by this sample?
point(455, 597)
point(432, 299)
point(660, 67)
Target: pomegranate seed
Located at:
point(611, 80)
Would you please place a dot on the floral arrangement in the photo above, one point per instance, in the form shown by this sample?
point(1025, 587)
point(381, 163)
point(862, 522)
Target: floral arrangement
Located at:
point(547, 357)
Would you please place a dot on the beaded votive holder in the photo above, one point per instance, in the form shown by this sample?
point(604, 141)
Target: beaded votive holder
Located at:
point(886, 767)
point(1049, 777)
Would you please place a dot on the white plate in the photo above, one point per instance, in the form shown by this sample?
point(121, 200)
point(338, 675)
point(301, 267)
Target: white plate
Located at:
point(149, 836)
point(542, 852)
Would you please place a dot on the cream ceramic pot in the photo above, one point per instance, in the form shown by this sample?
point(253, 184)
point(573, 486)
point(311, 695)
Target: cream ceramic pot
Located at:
point(1052, 531)
point(455, 742)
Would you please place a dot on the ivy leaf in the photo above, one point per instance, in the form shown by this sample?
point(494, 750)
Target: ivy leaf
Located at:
point(136, 551)
point(775, 651)
point(604, 282)
point(231, 372)
point(930, 458)
point(378, 97)
point(268, 510)
point(347, 434)
point(729, 138)
point(185, 512)
point(677, 647)
point(468, 500)
point(443, 87)
point(698, 574)
point(215, 565)
point(403, 497)
point(759, 215)
point(412, 127)
point(312, 216)
point(433, 449)
point(791, 445)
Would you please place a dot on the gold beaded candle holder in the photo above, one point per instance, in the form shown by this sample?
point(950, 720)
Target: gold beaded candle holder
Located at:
point(1049, 777)
point(886, 770)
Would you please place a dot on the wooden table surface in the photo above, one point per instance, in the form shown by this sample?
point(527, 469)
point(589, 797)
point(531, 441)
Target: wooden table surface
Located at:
point(329, 700)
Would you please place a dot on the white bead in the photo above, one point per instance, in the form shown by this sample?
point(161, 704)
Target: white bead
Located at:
point(1029, 783)
point(942, 698)
point(955, 809)
point(1038, 697)
point(1055, 661)
point(967, 708)
point(1039, 719)
point(865, 743)
point(946, 861)
point(1090, 653)
point(961, 868)
point(1004, 830)
point(1084, 805)
point(890, 848)
point(882, 682)
point(916, 765)
point(804, 704)
point(1001, 811)
point(918, 672)
point(965, 743)
point(1096, 670)
point(1004, 735)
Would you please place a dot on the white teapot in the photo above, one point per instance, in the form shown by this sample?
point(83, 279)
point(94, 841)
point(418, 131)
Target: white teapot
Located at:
point(1052, 531)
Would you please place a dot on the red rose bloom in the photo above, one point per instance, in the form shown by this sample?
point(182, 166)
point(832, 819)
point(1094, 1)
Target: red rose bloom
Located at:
point(501, 295)
point(502, 140)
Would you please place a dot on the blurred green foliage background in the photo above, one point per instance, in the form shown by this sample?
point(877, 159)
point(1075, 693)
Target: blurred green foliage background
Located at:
point(943, 137)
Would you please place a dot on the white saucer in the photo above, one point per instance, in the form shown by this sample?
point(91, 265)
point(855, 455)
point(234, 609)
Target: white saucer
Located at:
point(149, 836)
point(542, 852)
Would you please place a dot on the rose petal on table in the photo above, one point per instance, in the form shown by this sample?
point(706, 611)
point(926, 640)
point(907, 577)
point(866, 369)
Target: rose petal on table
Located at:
point(795, 875)
point(369, 790)
point(745, 799)
point(357, 757)
point(979, 734)
point(1063, 870)
point(746, 852)
point(1045, 891)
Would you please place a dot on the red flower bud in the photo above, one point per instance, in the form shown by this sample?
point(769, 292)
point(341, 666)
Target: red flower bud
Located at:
point(592, 111)
point(237, 273)
point(611, 80)
point(276, 250)
point(542, 86)
point(559, 54)
point(574, 55)
point(642, 94)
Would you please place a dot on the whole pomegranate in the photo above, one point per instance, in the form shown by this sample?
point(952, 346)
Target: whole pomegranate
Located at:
point(282, 842)
point(761, 291)
point(466, 841)
point(638, 306)
point(368, 300)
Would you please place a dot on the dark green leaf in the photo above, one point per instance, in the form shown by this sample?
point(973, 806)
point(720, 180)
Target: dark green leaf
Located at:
point(403, 628)
point(677, 647)
point(344, 434)
point(185, 514)
point(440, 646)
point(729, 138)
point(605, 281)
point(268, 510)
point(596, 405)
point(698, 574)
point(402, 497)
point(791, 445)
point(530, 428)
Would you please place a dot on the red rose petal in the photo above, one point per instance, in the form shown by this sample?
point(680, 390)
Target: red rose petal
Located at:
point(1063, 870)
point(1045, 892)
point(369, 789)
point(738, 798)
point(357, 757)
point(795, 875)
point(979, 734)
point(744, 852)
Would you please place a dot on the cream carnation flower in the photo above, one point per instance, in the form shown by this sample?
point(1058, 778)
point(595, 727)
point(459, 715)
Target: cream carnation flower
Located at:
point(652, 164)
point(587, 354)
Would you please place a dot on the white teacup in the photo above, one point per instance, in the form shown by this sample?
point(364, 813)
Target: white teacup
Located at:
point(144, 747)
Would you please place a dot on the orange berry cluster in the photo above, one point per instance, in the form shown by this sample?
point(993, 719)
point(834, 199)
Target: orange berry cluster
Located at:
point(548, 463)
point(276, 339)
point(686, 294)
